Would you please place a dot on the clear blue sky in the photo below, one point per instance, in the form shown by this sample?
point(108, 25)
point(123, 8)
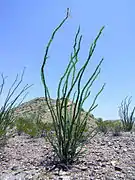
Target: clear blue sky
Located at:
point(25, 28)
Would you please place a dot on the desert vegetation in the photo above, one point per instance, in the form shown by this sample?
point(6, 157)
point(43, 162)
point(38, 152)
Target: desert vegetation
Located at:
point(109, 126)
point(33, 126)
point(127, 118)
point(68, 126)
point(8, 107)
point(67, 134)
point(124, 124)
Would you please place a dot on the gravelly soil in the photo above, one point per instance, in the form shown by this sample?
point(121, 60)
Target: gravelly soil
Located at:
point(107, 158)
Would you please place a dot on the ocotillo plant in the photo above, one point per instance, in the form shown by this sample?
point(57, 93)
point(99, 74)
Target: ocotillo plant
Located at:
point(69, 127)
point(126, 118)
point(10, 102)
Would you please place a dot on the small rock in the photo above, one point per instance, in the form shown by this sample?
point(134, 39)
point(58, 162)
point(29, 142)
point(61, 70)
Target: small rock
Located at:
point(109, 144)
point(84, 168)
point(117, 168)
point(102, 165)
point(63, 173)
point(64, 178)
point(124, 150)
point(14, 168)
point(102, 144)
point(113, 163)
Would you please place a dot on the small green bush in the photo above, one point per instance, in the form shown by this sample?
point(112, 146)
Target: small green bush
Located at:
point(33, 126)
point(116, 128)
point(27, 126)
point(102, 126)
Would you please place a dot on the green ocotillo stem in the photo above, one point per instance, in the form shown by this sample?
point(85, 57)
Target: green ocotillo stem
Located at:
point(68, 126)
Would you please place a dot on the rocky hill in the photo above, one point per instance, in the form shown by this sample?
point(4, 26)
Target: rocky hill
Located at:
point(39, 106)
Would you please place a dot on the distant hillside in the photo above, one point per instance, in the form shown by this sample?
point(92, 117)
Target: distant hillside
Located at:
point(39, 106)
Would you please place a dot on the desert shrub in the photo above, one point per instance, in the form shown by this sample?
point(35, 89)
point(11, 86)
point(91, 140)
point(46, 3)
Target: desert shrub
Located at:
point(101, 125)
point(133, 129)
point(27, 126)
point(109, 126)
point(104, 126)
point(126, 118)
point(45, 128)
point(32, 125)
point(11, 101)
point(68, 125)
point(116, 128)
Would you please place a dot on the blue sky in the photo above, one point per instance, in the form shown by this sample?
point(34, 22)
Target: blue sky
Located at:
point(25, 28)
